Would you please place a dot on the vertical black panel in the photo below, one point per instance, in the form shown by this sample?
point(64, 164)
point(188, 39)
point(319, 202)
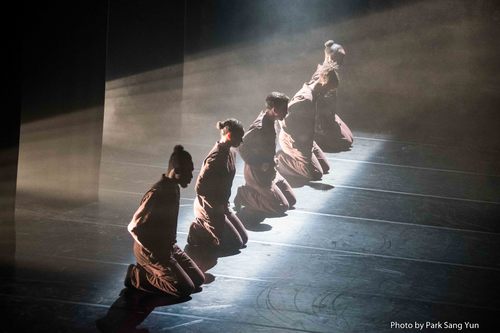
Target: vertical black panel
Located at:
point(64, 53)
point(144, 77)
point(9, 145)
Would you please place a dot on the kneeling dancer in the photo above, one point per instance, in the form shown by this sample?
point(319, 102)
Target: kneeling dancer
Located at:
point(162, 267)
point(215, 224)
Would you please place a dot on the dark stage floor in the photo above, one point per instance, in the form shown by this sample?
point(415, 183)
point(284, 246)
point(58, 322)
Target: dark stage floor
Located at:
point(397, 232)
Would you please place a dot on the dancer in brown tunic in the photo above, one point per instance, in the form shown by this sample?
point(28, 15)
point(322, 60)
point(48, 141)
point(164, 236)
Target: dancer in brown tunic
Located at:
point(301, 158)
point(265, 189)
point(331, 133)
point(162, 267)
point(216, 225)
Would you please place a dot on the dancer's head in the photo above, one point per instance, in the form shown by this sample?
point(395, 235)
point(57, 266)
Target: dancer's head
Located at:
point(231, 131)
point(334, 52)
point(277, 104)
point(180, 166)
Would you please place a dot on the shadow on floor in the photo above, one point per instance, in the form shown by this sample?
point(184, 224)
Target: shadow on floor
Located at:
point(252, 219)
point(300, 182)
point(131, 308)
point(320, 186)
point(207, 258)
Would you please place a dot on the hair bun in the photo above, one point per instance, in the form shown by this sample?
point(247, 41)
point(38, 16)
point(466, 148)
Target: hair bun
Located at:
point(178, 149)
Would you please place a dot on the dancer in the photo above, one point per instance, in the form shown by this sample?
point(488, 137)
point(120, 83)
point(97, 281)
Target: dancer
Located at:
point(265, 190)
point(215, 224)
point(162, 267)
point(301, 158)
point(331, 133)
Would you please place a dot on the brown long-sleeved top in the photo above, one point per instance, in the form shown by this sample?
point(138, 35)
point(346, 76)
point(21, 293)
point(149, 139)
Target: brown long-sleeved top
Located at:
point(300, 120)
point(259, 142)
point(327, 106)
point(217, 173)
point(154, 224)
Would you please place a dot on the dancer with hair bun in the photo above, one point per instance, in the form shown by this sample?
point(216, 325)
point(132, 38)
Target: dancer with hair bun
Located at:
point(265, 190)
point(215, 224)
point(162, 267)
